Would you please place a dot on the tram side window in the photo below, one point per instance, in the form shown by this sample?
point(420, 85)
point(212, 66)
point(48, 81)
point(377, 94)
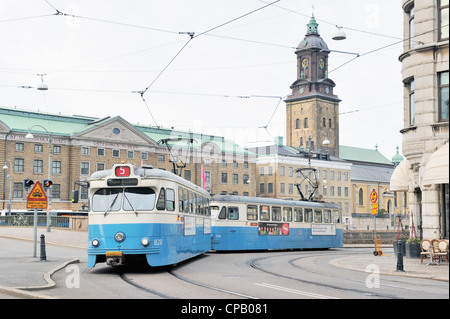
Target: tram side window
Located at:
point(170, 199)
point(252, 212)
point(298, 215)
point(327, 216)
point(161, 204)
point(276, 214)
point(264, 213)
point(317, 215)
point(336, 215)
point(223, 213)
point(180, 199)
point(186, 201)
point(308, 215)
point(214, 211)
point(287, 214)
point(233, 213)
point(191, 202)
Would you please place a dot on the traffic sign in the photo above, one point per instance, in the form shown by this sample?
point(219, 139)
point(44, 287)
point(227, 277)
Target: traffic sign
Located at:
point(373, 196)
point(374, 210)
point(37, 197)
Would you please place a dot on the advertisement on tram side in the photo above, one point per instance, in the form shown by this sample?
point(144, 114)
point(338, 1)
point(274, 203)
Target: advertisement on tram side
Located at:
point(273, 229)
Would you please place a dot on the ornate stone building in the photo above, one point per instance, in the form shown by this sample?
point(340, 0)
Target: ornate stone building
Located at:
point(312, 110)
point(424, 174)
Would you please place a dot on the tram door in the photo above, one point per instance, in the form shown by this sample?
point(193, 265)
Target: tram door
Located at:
point(230, 232)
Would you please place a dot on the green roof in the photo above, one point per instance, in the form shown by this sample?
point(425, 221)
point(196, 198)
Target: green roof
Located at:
point(20, 120)
point(357, 154)
point(68, 125)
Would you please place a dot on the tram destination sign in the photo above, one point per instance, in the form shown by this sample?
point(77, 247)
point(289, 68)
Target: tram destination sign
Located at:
point(122, 182)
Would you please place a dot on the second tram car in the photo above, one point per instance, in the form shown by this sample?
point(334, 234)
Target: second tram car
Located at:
point(256, 223)
point(145, 212)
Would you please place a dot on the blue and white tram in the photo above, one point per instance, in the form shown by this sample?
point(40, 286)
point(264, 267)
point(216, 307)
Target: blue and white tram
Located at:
point(257, 223)
point(145, 212)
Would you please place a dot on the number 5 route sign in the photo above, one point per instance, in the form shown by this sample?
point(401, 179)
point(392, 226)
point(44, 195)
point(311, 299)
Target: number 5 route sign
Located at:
point(37, 197)
point(373, 196)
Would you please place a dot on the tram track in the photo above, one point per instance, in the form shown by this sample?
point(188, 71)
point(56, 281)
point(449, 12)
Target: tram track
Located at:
point(254, 264)
point(183, 279)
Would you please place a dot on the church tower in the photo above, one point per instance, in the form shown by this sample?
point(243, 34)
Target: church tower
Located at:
point(312, 110)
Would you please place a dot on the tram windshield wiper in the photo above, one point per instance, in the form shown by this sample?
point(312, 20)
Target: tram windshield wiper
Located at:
point(112, 204)
point(126, 197)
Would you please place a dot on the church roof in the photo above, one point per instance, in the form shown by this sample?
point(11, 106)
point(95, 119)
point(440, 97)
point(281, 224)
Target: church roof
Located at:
point(357, 154)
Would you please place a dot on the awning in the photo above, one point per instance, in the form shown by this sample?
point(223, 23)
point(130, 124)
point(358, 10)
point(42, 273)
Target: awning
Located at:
point(401, 177)
point(436, 170)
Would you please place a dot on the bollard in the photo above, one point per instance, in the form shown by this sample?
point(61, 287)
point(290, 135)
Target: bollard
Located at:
point(400, 256)
point(43, 254)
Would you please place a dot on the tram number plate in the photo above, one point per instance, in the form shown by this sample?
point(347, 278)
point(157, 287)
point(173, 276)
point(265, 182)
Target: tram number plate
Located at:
point(157, 242)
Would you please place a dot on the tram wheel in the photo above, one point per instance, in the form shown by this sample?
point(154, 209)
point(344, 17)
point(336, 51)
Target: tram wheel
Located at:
point(375, 253)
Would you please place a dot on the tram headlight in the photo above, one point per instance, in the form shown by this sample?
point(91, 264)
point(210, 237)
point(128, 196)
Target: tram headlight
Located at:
point(119, 237)
point(95, 243)
point(145, 242)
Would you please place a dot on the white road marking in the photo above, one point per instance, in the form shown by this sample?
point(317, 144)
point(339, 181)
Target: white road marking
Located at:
point(294, 291)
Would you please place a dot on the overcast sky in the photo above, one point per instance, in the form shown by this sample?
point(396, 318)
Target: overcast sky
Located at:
point(96, 56)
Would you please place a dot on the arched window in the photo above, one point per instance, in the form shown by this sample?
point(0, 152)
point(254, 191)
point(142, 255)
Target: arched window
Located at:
point(324, 123)
point(306, 122)
point(361, 197)
point(297, 123)
point(389, 207)
point(329, 122)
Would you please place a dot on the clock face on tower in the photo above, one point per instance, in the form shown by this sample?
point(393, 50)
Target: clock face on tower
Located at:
point(305, 63)
point(321, 64)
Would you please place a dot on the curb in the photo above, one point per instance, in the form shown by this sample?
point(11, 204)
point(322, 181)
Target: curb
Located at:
point(26, 292)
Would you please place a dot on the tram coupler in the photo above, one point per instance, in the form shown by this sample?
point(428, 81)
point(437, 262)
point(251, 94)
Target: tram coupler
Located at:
point(114, 258)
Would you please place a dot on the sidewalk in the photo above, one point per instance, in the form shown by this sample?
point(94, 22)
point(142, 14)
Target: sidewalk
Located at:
point(387, 264)
point(19, 275)
point(23, 277)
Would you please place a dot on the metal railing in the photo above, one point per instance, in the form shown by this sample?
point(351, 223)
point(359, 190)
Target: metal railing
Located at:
point(27, 220)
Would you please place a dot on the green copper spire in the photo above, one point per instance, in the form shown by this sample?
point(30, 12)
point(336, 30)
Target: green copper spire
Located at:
point(312, 26)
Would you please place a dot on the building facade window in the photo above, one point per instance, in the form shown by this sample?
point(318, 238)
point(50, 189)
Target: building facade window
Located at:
point(38, 167)
point(361, 197)
point(56, 167)
point(18, 190)
point(412, 117)
point(443, 19)
point(19, 165)
point(38, 148)
point(56, 191)
point(443, 96)
point(84, 168)
point(19, 147)
point(411, 28)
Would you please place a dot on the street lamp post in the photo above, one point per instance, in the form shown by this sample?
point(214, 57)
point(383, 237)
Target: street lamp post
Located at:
point(10, 185)
point(50, 152)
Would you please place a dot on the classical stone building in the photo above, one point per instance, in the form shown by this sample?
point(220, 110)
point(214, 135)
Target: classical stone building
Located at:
point(424, 174)
point(79, 146)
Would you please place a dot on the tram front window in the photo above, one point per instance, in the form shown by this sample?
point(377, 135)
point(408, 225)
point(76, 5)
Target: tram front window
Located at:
point(136, 199)
point(139, 199)
point(107, 200)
